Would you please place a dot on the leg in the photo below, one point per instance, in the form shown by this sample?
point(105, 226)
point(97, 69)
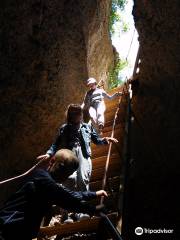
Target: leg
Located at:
point(83, 178)
point(83, 172)
point(93, 114)
point(100, 113)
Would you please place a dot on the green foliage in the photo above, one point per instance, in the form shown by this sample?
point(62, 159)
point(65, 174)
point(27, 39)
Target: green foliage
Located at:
point(118, 4)
point(114, 80)
point(115, 16)
point(125, 27)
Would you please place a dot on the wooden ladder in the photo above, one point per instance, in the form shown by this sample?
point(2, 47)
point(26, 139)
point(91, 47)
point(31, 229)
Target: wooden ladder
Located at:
point(113, 181)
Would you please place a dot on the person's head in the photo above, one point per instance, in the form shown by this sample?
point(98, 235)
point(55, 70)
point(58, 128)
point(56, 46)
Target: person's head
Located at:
point(74, 114)
point(65, 163)
point(91, 83)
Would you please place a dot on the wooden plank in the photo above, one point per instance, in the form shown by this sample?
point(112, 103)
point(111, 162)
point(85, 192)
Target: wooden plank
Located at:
point(109, 115)
point(121, 107)
point(98, 174)
point(113, 182)
point(98, 151)
point(114, 104)
point(109, 128)
point(111, 105)
point(101, 161)
point(118, 135)
point(88, 225)
point(120, 120)
point(114, 170)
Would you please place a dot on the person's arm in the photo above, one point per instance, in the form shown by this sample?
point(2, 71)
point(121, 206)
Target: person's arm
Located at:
point(77, 201)
point(96, 139)
point(53, 148)
point(89, 195)
point(86, 102)
point(100, 141)
point(110, 97)
point(70, 200)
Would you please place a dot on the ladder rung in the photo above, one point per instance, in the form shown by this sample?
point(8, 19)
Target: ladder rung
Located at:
point(88, 225)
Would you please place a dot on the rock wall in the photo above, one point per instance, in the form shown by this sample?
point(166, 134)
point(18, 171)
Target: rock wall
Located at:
point(152, 188)
point(48, 49)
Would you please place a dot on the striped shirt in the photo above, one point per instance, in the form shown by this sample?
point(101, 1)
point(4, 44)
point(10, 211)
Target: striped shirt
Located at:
point(96, 95)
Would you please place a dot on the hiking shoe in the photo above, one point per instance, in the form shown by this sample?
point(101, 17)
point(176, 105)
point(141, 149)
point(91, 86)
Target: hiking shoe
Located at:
point(68, 220)
point(82, 216)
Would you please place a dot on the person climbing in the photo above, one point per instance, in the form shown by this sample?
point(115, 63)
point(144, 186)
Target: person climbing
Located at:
point(77, 136)
point(21, 215)
point(94, 102)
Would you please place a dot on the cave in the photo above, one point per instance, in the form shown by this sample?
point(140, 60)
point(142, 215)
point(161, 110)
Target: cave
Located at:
point(48, 49)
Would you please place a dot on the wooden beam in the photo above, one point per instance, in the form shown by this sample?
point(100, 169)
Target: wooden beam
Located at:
point(88, 225)
point(114, 184)
point(101, 161)
point(109, 128)
point(111, 106)
point(98, 151)
point(114, 170)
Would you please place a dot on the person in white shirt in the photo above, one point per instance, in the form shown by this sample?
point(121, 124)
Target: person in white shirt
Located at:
point(94, 102)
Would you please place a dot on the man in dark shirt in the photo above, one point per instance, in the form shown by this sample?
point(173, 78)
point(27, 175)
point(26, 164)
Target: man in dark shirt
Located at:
point(21, 215)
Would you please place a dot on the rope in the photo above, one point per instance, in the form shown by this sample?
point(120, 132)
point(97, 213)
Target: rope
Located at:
point(130, 44)
point(23, 174)
point(109, 149)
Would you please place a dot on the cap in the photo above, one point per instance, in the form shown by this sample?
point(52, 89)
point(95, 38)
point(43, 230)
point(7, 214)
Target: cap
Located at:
point(91, 80)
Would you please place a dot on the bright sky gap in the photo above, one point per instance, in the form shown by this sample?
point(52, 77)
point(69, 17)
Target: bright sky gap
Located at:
point(126, 43)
